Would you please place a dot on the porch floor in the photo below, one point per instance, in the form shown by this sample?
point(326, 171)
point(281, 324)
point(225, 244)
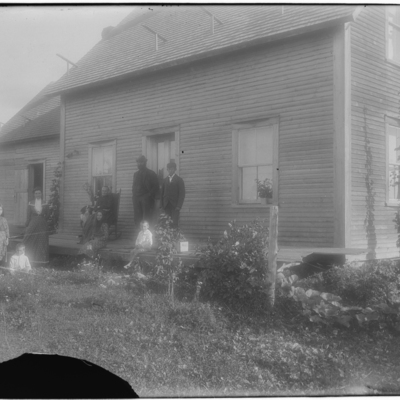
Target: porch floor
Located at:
point(63, 244)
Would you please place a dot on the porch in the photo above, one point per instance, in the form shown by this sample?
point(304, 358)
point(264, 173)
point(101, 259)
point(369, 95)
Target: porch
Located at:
point(64, 244)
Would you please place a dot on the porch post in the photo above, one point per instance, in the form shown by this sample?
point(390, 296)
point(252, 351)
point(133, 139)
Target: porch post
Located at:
point(62, 160)
point(342, 136)
point(272, 253)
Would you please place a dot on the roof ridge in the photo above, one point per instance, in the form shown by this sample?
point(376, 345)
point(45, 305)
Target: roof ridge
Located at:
point(112, 31)
point(190, 37)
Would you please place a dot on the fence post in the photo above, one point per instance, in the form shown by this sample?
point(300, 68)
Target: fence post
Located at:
point(272, 253)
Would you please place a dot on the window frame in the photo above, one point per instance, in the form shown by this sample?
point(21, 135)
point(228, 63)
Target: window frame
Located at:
point(390, 121)
point(254, 123)
point(113, 144)
point(387, 25)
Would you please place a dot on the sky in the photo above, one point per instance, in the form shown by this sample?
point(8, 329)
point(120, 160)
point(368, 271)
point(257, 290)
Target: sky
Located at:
point(30, 38)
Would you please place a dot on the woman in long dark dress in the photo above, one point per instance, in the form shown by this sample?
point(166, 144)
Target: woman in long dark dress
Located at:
point(98, 237)
point(36, 237)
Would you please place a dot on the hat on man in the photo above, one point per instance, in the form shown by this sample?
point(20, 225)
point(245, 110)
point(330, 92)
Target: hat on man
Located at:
point(171, 165)
point(141, 159)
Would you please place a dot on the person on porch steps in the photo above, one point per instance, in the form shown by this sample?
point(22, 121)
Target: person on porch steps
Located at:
point(97, 239)
point(143, 242)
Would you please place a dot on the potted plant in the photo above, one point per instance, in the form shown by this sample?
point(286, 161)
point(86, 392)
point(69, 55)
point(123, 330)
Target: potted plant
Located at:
point(264, 190)
point(89, 190)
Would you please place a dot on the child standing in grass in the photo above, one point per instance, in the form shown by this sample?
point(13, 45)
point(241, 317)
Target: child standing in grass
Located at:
point(19, 261)
point(143, 242)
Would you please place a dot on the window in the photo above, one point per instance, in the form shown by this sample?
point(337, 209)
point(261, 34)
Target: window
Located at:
point(256, 159)
point(393, 33)
point(102, 158)
point(393, 160)
point(160, 148)
point(165, 153)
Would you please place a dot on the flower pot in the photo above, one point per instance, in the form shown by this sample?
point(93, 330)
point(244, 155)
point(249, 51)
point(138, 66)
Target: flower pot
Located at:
point(266, 200)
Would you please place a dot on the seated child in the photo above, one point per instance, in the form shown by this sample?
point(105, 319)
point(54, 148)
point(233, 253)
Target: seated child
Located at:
point(143, 242)
point(86, 212)
point(19, 261)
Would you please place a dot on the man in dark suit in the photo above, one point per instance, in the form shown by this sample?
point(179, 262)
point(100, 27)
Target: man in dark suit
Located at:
point(172, 194)
point(145, 188)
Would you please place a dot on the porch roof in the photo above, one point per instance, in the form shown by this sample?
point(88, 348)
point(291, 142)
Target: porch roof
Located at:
point(185, 34)
point(44, 126)
point(40, 117)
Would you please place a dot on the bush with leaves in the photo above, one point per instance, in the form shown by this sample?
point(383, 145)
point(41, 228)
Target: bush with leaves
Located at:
point(373, 283)
point(235, 268)
point(54, 201)
point(166, 239)
point(359, 294)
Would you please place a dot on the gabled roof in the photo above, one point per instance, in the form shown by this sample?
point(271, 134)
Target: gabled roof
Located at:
point(130, 47)
point(38, 118)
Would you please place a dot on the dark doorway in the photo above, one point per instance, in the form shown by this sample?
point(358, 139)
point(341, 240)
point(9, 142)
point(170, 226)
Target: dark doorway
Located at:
point(36, 178)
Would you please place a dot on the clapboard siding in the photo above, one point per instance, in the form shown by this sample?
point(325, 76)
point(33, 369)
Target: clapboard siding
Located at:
point(292, 80)
point(19, 155)
point(7, 181)
point(375, 87)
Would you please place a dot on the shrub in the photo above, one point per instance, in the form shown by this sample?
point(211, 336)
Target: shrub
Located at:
point(234, 268)
point(363, 286)
point(348, 294)
point(166, 238)
point(186, 282)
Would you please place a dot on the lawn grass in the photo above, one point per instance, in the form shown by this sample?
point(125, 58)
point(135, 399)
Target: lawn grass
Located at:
point(188, 349)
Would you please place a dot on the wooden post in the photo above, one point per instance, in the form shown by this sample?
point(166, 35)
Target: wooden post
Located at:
point(62, 161)
point(272, 253)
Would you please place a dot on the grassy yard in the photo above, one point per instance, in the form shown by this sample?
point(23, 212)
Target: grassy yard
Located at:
point(188, 349)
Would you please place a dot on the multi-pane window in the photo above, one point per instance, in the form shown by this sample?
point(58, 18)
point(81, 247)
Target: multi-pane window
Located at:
point(255, 161)
point(393, 162)
point(393, 33)
point(165, 153)
point(102, 158)
point(160, 149)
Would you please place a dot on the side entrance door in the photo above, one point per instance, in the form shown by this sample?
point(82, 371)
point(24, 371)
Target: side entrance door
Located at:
point(27, 178)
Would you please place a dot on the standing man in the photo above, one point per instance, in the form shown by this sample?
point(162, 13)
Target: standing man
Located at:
point(145, 188)
point(172, 194)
